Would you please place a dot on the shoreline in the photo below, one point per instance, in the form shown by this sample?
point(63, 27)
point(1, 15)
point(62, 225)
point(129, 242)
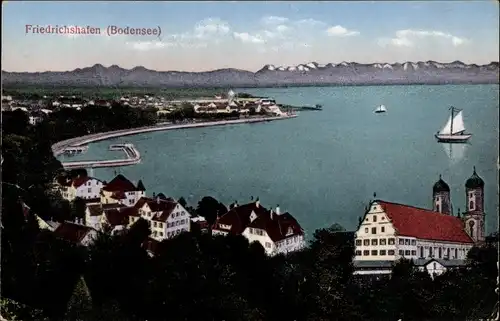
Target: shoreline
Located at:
point(58, 148)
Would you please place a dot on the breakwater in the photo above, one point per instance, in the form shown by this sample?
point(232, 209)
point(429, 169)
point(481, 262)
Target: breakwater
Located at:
point(132, 157)
point(58, 148)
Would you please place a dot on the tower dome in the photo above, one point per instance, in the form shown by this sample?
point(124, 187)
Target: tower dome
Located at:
point(474, 181)
point(440, 186)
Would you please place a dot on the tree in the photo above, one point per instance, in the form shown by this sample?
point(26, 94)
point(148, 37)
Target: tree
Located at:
point(210, 209)
point(182, 202)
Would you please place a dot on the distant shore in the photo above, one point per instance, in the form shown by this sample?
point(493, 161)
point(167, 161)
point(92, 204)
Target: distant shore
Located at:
point(58, 148)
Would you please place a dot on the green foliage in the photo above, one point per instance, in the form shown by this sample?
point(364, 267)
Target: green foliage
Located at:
point(210, 209)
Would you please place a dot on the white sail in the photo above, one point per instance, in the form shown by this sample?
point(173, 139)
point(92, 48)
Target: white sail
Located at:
point(458, 123)
point(447, 128)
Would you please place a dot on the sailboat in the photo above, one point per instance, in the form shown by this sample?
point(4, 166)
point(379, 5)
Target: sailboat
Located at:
point(454, 129)
point(380, 109)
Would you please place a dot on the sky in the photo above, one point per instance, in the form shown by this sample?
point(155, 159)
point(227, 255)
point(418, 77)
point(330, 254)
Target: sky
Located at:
point(200, 36)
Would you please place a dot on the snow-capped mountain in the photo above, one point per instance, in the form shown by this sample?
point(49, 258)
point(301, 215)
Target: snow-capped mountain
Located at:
point(406, 66)
point(306, 74)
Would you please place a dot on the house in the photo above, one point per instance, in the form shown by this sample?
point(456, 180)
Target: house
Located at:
point(438, 266)
point(391, 231)
point(277, 232)
point(121, 190)
point(84, 187)
point(201, 224)
point(47, 224)
point(97, 216)
point(166, 217)
point(76, 233)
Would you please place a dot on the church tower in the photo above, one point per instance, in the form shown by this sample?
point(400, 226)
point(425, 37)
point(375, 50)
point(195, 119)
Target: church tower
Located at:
point(474, 217)
point(441, 201)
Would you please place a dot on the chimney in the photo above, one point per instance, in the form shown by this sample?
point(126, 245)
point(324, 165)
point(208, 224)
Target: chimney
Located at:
point(277, 209)
point(271, 214)
point(257, 202)
point(157, 200)
point(154, 194)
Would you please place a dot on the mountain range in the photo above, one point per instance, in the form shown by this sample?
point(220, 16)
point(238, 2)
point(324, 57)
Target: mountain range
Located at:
point(308, 74)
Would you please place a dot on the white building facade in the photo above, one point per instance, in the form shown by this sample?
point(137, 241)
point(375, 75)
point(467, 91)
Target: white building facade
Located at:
point(435, 239)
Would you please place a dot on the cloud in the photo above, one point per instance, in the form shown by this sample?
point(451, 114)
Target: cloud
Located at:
point(309, 23)
point(211, 26)
point(270, 20)
point(409, 37)
point(209, 30)
point(248, 38)
point(339, 31)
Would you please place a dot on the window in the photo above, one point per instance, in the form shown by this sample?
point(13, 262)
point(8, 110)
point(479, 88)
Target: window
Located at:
point(407, 242)
point(382, 229)
point(407, 252)
point(366, 229)
point(155, 224)
point(358, 253)
point(161, 233)
point(434, 265)
point(471, 205)
point(374, 242)
point(366, 242)
point(391, 241)
point(422, 251)
point(90, 190)
point(374, 218)
point(250, 230)
point(401, 242)
point(374, 230)
point(382, 252)
point(366, 253)
point(358, 242)
point(413, 252)
point(383, 241)
point(391, 252)
point(374, 252)
point(438, 209)
point(448, 252)
point(161, 225)
point(413, 242)
point(401, 252)
point(456, 253)
point(430, 251)
point(440, 252)
point(268, 245)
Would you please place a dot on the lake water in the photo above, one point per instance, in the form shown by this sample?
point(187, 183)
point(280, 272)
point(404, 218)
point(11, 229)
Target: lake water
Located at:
point(324, 166)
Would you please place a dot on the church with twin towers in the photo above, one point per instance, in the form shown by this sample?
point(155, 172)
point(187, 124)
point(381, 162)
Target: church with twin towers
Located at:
point(474, 216)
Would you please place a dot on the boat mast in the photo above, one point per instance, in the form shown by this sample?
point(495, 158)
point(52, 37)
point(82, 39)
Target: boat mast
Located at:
point(451, 128)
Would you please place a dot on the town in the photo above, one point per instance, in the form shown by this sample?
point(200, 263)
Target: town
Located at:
point(223, 105)
point(435, 239)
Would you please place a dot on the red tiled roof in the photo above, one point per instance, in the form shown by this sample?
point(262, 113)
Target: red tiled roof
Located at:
point(239, 217)
point(72, 232)
point(120, 183)
point(163, 207)
point(95, 209)
point(278, 226)
point(116, 217)
point(79, 181)
point(425, 224)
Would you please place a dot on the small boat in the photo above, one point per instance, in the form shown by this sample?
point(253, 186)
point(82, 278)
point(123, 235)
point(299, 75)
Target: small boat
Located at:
point(380, 109)
point(454, 129)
